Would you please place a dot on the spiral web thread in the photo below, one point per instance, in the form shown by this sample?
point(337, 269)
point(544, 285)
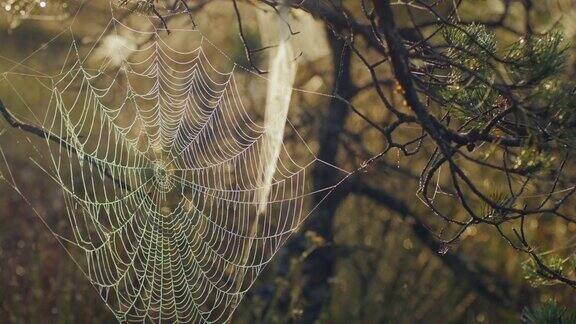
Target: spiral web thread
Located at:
point(160, 170)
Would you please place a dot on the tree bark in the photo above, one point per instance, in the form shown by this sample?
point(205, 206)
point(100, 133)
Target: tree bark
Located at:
point(320, 264)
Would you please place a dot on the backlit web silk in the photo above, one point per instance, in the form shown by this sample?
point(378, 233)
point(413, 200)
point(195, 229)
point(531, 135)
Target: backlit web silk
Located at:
point(160, 163)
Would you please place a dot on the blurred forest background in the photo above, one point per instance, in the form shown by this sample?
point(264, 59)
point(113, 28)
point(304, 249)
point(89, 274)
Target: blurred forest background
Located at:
point(370, 254)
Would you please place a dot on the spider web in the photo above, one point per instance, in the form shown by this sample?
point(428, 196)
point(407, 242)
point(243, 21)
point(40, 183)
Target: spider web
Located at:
point(159, 153)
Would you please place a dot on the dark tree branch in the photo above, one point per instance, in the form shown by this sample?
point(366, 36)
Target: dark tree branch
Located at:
point(42, 133)
point(486, 283)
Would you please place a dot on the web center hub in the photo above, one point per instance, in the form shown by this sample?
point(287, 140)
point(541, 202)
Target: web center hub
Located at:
point(162, 176)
